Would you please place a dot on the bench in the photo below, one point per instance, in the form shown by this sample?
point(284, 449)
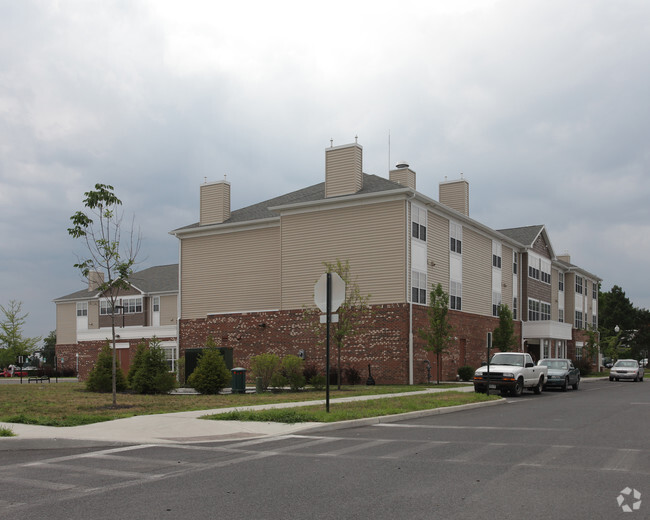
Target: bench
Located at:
point(39, 379)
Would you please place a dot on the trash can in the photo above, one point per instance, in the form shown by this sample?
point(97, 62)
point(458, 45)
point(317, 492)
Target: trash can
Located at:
point(238, 380)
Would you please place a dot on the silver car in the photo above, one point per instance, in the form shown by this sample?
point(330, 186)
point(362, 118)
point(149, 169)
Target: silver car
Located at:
point(626, 369)
point(561, 373)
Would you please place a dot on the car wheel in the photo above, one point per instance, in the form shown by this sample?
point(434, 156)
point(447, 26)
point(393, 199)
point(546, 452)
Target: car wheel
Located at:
point(576, 384)
point(518, 389)
point(611, 379)
point(565, 386)
point(636, 378)
point(538, 387)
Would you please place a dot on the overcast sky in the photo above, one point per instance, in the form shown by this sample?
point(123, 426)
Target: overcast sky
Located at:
point(542, 104)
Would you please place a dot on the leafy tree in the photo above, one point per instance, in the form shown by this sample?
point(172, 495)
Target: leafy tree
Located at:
point(352, 310)
point(211, 374)
point(503, 337)
point(12, 342)
point(438, 333)
point(152, 376)
point(107, 252)
point(615, 309)
point(49, 348)
point(102, 378)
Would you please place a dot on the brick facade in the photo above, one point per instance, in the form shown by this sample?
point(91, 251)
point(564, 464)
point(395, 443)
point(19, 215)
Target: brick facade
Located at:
point(382, 340)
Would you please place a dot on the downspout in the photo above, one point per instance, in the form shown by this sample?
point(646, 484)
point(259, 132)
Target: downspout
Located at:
point(178, 314)
point(408, 291)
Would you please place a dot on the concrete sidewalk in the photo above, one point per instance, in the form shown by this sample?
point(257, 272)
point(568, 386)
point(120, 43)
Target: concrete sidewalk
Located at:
point(186, 427)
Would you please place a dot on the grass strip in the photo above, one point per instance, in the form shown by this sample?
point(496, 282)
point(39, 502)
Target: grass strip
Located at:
point(69, 404)
point(354, 409)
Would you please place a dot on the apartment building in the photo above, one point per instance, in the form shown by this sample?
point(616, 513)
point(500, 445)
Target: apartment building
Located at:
point(147, 309)
point(247, 276)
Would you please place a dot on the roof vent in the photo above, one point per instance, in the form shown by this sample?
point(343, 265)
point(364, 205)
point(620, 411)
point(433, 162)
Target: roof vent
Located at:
point(402, 164)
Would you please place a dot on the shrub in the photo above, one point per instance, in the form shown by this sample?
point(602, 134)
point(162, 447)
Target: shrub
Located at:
point(351, 375)
point(292, 367)
point(318, 381)
point(101, 376)
point(264, 366)
point(278, 382)
point(309, 371)
point(152, 375)
point(584, 365)
point(466, 373)
point(136, 363)
point(211, 374)
point(180, 369)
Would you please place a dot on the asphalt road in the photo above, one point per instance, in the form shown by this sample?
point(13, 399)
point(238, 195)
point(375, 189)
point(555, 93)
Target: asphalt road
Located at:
point(557, 455)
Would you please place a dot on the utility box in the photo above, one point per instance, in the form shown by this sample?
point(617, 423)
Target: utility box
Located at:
point(238, 380)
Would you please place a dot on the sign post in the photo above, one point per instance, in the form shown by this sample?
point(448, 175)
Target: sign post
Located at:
point(329, 294)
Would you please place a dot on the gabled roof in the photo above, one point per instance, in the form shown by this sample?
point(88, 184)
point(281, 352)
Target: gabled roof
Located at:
point(524, 235)
point(259, 211)
point(157, 279)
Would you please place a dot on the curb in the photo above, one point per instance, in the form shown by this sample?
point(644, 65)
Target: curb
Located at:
point(341, 425)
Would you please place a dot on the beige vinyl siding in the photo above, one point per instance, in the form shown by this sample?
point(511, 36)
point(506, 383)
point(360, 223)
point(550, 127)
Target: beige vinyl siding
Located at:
point(371, 237)
point(555, 294)
point(66, 323)
point(506, 276)
point(343, 170)
point(477, 273)
point(230, 272)
point(455, 195)
point(93, 314)
point(438, 251)
point(168, 310)
point(215, 203)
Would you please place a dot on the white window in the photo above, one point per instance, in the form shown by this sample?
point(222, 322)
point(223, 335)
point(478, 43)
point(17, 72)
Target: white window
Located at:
point(579, 351)
point(455, 237)
point(579, 284)
point(594, 291)
point(418, 223)
point(514, 308)
point(418, 287)
point(545, 311)
point(104, 307)
point(533, 310)
point(82, 309)
point(132, 305)
point(578, 322)
point(170, 357)
point(496, 302)
point(533, 267)
point(514, 262)
point(496, 255)
point(560, 283)
point(560, 315)
point(594, 321)
point(156, 304)
point(455, 295)
point(545, 271)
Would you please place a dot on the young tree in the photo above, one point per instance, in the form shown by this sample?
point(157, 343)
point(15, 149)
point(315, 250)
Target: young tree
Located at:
point(49, 348)
point(503, 337)
point(211, 374)
point(353, 308)
point(107, 252)
point(438, 334)
point(12, 342)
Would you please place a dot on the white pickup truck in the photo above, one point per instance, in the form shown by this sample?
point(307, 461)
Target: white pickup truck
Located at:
point(511, 372)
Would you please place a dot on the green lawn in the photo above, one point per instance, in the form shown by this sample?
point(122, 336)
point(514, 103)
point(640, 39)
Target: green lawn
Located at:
point(356, 409)
point(68, 404)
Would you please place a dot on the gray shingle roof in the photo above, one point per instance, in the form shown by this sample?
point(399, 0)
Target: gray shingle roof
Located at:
point(524, 235)
point(157, 279)
point(371, 184)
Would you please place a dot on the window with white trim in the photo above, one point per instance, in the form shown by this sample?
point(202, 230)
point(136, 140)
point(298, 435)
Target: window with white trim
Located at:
point(578, 321)
point(105, 307)
point(496, 255)
point(533, 310)
point(496, 302)
point(594, 291)
point(545, 271)
point(132, 305)
point(418, 287)
point(455, 237)
point(418, 223)
point(560, 315)
point(455, 295)
point(514, 262)
point(156, 304)
point(578, 284)
point(82, 309)
point(578, 351)
point(560, 282)
point(170, 357)
point(544, 311)
point(533, 267)
point(594, 321)
point(514, 308)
